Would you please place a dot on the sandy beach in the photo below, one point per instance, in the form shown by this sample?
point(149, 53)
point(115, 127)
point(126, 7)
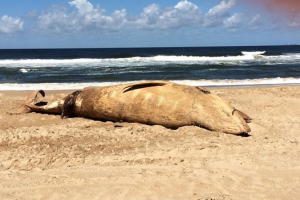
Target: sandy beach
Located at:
point(45, 157)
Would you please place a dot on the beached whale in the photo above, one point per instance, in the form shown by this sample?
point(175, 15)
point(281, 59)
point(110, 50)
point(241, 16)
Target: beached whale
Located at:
point(149, 102)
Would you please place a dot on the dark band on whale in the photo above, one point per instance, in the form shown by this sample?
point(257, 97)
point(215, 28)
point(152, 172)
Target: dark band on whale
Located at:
point(69, 105)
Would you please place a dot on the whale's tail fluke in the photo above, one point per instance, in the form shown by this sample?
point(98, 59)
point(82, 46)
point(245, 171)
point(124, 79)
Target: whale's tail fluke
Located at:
point(32, 105)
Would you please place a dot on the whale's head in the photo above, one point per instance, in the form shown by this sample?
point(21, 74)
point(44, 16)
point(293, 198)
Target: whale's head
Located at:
point(215, 113)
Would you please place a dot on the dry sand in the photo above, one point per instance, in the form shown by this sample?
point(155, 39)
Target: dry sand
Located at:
point(45, 157)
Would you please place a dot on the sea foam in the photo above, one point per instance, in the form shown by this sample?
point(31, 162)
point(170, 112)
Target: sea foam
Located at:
point(148, 61)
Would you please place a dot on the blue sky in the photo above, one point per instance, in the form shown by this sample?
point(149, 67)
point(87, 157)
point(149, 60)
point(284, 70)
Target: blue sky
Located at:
point(146, 23)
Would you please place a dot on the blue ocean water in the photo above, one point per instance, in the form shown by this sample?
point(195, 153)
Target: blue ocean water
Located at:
point(27, 69)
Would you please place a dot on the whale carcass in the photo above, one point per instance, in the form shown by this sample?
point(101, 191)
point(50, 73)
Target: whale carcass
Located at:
point(149, 102)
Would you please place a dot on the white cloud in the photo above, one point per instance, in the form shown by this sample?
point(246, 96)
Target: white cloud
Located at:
point(279, 23)
point(149, 17)
point(255, 22)
point(181, 15)
point(217, 14)
point(87, 17)
point(294, 24)
point(84, 18)
point(10, 25)
point(56, 20)
point(239, 21)
point(84, 7)
point(234, 22)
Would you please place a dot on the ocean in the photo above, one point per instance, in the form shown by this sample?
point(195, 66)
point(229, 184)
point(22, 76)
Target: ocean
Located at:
point(58, 69)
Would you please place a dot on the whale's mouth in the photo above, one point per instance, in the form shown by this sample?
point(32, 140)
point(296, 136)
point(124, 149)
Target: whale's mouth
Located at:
point(244, 119)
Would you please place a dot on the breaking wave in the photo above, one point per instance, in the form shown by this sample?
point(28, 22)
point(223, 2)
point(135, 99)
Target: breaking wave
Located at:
point(148, 61)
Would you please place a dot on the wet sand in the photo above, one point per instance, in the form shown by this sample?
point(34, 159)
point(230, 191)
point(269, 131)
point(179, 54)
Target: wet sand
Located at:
point(45, 157)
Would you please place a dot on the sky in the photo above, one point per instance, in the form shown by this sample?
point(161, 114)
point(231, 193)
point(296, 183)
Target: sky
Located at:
point(147, 23)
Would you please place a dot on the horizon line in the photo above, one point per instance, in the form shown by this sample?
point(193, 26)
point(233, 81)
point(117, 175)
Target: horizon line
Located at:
point(52, 48)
